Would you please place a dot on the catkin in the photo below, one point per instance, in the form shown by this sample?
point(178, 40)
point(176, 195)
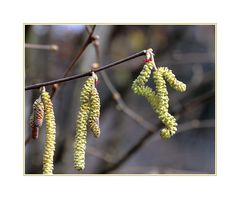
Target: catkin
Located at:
point(81, 129)
point(173, 82)
point(49, 147)
point(142, 79)
point(162, 110)
point(94, 115)
point(159, 99)
point(36, 118)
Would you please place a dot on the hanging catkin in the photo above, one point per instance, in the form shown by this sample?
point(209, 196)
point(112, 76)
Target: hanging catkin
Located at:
point(163, 114)
point(49, 147)
point(159, 99)
point(81, 130)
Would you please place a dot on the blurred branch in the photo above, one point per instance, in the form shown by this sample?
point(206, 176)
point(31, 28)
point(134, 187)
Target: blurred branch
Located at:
point(196, 124)
point(95, 152)
point(53, 47)
point(124, 108)
point(198, 101)
point(89, 40)
point(35, 86)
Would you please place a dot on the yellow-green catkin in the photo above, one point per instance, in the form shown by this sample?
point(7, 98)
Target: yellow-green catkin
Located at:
point(139, 87)
point(81, 129)
point(173, 82)
point(142, 79)
point(162, 110)
point(49, 147)
point(159, 99)
point(94, 115)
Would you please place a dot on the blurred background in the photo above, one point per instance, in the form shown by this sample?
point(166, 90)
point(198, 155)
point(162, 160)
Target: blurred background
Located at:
point(130, 141)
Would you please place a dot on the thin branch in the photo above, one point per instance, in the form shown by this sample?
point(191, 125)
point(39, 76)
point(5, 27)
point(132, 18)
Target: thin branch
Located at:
point(190, 125)
point(129, 153)
point(53, 47)
point(123, 107)
point(89, 40)
point(95, 152)
point(35, 86)
point(196, 124)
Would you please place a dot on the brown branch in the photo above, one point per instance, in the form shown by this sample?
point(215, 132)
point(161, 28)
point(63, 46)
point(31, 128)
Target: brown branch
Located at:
point(89, 40)
point(96, 153)
point(35, 86)
point(124, 108)
point(193, 124)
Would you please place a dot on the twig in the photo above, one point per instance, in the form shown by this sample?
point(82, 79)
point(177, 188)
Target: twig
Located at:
point(94, 152)
point(35, 86)
point(89, 41)
point(53, 47)
point(196, 124)
point(56, 87)
point(124, 108)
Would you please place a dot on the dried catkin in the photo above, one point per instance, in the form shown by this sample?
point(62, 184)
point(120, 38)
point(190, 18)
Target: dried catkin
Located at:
point(36, 118)
point(81, 129)
point(94, 115)
point(49, 147)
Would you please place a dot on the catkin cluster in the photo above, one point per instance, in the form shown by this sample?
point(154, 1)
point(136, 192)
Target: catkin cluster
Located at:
point(49, 147)
point(159, 99)
point(36, 118)
point(88, 114)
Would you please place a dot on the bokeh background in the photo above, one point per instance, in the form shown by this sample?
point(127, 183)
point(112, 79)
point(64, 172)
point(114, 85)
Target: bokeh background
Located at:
point(130, 141)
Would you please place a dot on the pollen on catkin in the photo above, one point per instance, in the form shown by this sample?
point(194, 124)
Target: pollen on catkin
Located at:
point(162, 110)
point(93, 121)
point(158, 99)
point(81, 129)
point(36, 118)
point(173, 82)
point(49, 147)
point(139, 87)
point(142, 79)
